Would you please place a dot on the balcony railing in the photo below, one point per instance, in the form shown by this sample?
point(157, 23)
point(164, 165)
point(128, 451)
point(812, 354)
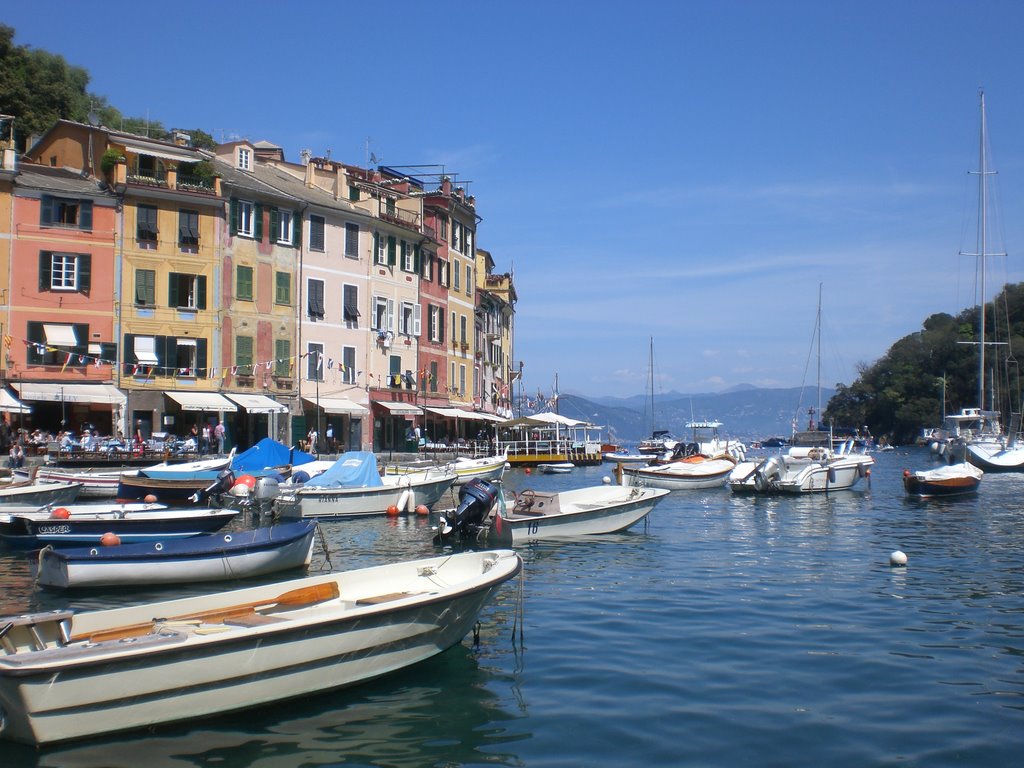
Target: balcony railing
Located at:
point(195, 183)
point(408, 219)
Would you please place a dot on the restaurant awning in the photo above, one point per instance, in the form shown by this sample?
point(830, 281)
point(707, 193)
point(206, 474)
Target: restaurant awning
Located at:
point(458, 413)
point(106, 394)
point(337, 405)
point(202, 401)
point(400, 408)
point(258, 403)
point(11, 404)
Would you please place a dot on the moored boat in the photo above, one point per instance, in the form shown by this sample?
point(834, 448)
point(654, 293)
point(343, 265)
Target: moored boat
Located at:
point(555, 468)
point(67, 675)
point(208, 557)
point(39, 493)
point(693, 472)
point(947, 480)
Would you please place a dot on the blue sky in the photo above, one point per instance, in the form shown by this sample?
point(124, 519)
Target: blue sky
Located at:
point(687, 171)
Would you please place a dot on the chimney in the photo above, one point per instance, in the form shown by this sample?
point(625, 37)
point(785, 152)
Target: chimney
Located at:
point(182, 139)
point(305, 155)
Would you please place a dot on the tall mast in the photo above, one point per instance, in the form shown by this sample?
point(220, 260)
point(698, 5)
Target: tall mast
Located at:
point(818, 325)
point(982, 224)
point(650, 383)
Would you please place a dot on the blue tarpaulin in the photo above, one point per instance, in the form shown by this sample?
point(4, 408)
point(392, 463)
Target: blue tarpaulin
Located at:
point(268, 453)
point(355, 469)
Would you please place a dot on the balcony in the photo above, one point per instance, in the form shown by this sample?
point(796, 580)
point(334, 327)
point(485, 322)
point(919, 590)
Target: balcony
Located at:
point(407, 219)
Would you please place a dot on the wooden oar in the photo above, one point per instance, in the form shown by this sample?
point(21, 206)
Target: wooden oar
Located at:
point(297, 597)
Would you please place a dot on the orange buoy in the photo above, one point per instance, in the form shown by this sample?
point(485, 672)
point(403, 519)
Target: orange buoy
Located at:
point(906, 473)
point(421, 509)
point(109, 539)
point(246, 480)
point(150, 498)
point(392, 510)
point(529, 471)
point(60, 514)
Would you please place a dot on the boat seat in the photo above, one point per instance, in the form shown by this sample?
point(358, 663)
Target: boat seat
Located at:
point(376, 599)
point(253, 620)
point(35, 631)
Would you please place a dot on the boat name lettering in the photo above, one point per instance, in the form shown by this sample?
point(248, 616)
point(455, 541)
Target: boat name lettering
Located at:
point(55, 529)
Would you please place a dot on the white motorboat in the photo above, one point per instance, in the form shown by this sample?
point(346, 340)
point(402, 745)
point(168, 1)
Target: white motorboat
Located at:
point(555, 468)
point(691, 473)
point(66, 675)
point(39, 493)
point(61, 527)
point(488, 468)
point(96, 483)
point(483, 513)
point(802, 470)
point(352, 487)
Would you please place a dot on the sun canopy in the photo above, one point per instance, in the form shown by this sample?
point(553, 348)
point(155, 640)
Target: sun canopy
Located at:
point(202, 401)
point(337, 405)
point(355, 469)
point(70, 393)
point(400, 408)
point(11, 404)
point(258, 403)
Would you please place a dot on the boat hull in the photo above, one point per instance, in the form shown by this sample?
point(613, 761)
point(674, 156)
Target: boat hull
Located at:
point(956, 480)
point(582, 512)
point(387, 618)
point(680, 476)
point(330, 503)
point(38, 530)
point(96, 484)
point(992, 456)
point(40, 494)
point(213, 557)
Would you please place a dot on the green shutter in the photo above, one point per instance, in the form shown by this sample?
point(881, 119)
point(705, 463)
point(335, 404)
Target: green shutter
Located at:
point(417, 261)
point(45, 270)
point(391, 250)
point(257, 230)
point(234, 216)
point(85, 273)
point(275, 224)
point(85, 214)
point(297, 228)
point(201, 292)
point(172, 290)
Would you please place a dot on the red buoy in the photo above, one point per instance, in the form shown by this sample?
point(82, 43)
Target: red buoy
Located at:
point(392, 511)
point(60, 514)
point(109, 539)
point(150, 498)
point(421, 509)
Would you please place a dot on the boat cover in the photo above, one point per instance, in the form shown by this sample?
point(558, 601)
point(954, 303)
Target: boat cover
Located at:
point(268, 453)
point(355, 469)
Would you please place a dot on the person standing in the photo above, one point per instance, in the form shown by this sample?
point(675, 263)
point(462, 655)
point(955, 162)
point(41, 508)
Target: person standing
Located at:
point(218, 433)
point(204, 440)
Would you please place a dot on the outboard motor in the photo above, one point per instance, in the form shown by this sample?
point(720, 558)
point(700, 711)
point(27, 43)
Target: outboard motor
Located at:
point(475, 501)
point(263, 494)
point(222, 484)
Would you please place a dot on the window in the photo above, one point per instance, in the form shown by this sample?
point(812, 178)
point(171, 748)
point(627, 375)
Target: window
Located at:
point(427, 266)
point(348, 359)
point(243, 283)
point(409, 319)
point(433, 376)
point(316, 233)
point(350, 305)
point(188, 229)
point(145, 350)
point(435, 319)
point(282, 357)
point(392, 251)
point(315, 362)
point(353, 193)
point(243, 350)
point(145, 287)
point(380, 254)
point(462, 380)
point(244, 159)
point(469, 280)
point(281, 224)
point(145, 225)
point(455, 269)
point(186, 291)
point(352, 241)
point(383, 314)
point(443, 227)
point(51, 343)
point(246, 219)
point(408, 257)
point(65, 271)
point(315, 289)
point(282, 288)
point(185, 357)
point(456, 236)
point(462, 330)
point(65, 212)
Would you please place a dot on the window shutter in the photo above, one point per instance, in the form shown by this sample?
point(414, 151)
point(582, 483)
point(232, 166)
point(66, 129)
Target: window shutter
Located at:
point(417, 319)
point(440, 326)
point(275, 224)
point(170, 356)
point(234, 216)
point(296, 228)
point(82, 334)
point(416, 258)
point(391, 250)
point(85, 215)
point(172, 291)
point(258, 226)
point(201, 358)
point(46, 210)
point(201, 292)
point(391, 315)
point(45, 268)
point(85, 273)
point(376, 245)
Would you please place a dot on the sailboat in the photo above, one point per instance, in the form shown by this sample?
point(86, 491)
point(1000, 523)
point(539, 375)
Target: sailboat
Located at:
point(987, 447)
point(661, 440)
point(811, 464)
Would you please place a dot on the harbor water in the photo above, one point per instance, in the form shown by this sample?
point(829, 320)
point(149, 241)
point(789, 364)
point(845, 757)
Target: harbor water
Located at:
point(726, 631)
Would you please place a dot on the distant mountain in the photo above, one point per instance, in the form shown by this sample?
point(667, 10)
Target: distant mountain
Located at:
point(745, 412)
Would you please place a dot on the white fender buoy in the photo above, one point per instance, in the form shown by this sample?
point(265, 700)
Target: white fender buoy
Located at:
point(606, 480)
point(410, 505)
point(403, 499)
point(898, 559)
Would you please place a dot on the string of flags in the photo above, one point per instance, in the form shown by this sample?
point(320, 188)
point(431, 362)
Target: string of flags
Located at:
point(336, 367)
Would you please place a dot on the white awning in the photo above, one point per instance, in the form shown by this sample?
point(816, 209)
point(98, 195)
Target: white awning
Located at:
point(70, 393)
point(337, 405)
point(202, 401)
point(258, 403)
point(400, 408)
point(11, 404)
point(458, 413)
point(164, 152)
point(145, 350)
point(60, 335)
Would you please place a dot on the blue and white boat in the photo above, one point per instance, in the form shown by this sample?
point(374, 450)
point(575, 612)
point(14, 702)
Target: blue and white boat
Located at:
point(34, 530)
point(209, 557)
